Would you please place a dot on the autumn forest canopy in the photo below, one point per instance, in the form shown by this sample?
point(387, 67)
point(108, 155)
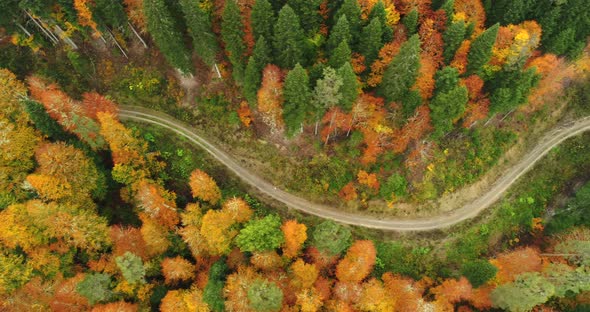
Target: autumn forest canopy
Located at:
point(379, 107)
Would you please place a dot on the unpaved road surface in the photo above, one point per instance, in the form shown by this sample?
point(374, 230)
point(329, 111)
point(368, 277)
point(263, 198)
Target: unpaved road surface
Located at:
point(470, 210)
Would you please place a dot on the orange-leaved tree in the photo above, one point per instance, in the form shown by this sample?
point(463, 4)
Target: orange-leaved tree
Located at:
point(204, 187)
point(358, 262)
point(295, 235)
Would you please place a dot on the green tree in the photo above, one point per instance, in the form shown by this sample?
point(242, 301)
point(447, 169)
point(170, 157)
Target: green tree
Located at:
point(110, 12)
point(327, 92)
point(263, 19)
point(232, 32)
point(260, 235)
point(331, 238)
point(379, 12)
point(213, 292)
point(352, 11)
point(297, 97)
point(448, 103)
point(14, 271)
point(478, 272)
point(131, 267)
point(338, 34)
point(340, 56)
point(395, 185)
point(371, 41)
point(447, 6)
point(481, 49)
point(511, 88)
point(309, 14)
point(96, 287)
point(44, 123)
point(199, 25)
point(402, 72)
point(350, 86)
point(411, 21)
point(575, 213)
point(453, 37)
point(568, 281)
point(166, 34)
point(289, 41)
point(265, 296)
point(260, 57)
point(528, 291)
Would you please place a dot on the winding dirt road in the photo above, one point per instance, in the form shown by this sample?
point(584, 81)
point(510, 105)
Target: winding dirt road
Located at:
point(470, 210)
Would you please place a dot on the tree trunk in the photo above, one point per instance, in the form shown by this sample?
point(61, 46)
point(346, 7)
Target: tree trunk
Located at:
point(137, 35)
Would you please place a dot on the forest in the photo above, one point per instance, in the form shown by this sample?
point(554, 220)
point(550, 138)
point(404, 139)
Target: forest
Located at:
point(372, 106)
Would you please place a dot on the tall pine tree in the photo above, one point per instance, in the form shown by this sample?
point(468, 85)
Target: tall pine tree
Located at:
point(262, 18)
point(481, 49)
point(297, 97)
point(352, 10)
point(340, 55)
point(258, 60)
point(448, 103)
point(402, 72)
point(410, 21)
point(289, 41)
point(338, 34)
point(379, 12)
point(232, 32)
point(371, 41)
point(453, 37)
point(350, 86)
point(199, 25)
point(166, 35)
point(309, 14)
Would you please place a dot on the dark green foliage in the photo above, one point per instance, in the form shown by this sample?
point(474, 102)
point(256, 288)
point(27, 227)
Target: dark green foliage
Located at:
point(17, 59)
point(166, 34)
point(265, 296)
point(297, 97)
point(410, 102)
point(411, 21)
point(350, 86)
point(338, 34)
point(263, 19)
point(47, 125)
point(232, 32)
point(289, 41)
point(199, 25)
point(448, 103)
point(481, 49)
point(453, 37)
point(402, 72)
point(96, 287)
point(478, 272)
point(340, 56)
point(331, 238)
point(396, 258)
point(9, 10)
point(396, 185)
point(447, 6)
point(213, 292)
point(253, 75)
point(110, 12)
point(261, 235)
point(575, 213)
point(371, 41)
point(308, 12)
point(351, 9)
point(511, 88)
point(378, 11)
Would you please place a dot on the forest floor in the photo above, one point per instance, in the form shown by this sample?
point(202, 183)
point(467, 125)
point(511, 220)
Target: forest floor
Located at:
point(451, 217)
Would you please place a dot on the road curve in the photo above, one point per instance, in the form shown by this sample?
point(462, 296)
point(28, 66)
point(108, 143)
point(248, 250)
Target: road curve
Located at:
point(470, 210)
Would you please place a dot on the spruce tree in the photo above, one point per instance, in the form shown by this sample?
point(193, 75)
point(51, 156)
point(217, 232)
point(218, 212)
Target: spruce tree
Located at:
point(339, 33)
point(449, 10)
point(253, 76)
point(340, 55)
point(289, 41)
point(309, 14)
point(232, 32)
point(511, 88)
point(481, 49)
point(371, 41)
point(262, 18)
point(410, 21)
point(350, 86)
point(327, 92)
point(166, 35)
point(448, 103)
point(199, 26)
point(110, 12)
point(402, 72)
point(297, 97)
point(378, 11)
point(351, 9)
point(453, 37)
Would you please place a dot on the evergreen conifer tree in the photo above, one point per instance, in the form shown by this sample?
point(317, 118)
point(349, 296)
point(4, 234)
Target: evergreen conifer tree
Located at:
point(338, 34)
point(199, 25)
point(481, 49)
point(340, 55)
point(352, 10)
point(289, 41)
point(232, 32)
point(411, 21)
point(448, 103)
point(263, 19)
point(309, 14)
point(379, 12)
point(453, 37)
point(166, 35)
point(402, 72)
point(350, 86)
point(253, 76)
point(371, 41)
point(297, 97)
